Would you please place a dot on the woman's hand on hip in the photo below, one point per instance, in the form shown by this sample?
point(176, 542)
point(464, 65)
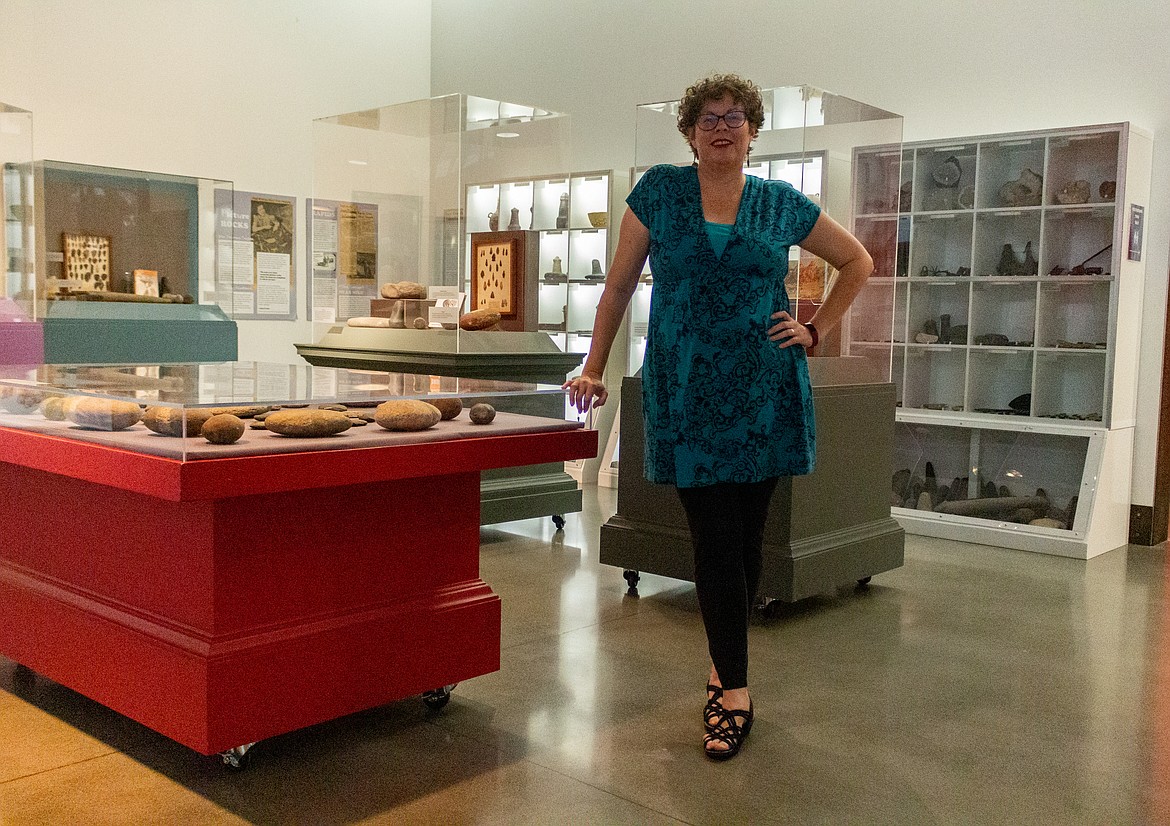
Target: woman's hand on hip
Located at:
point(584, 390)
point(788, 331)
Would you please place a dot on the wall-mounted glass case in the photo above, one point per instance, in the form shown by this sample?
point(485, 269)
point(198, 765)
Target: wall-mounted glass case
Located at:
point(126, 260)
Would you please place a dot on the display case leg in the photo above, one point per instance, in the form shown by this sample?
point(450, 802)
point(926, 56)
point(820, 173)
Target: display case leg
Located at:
point(559, 521)
point(632, 579)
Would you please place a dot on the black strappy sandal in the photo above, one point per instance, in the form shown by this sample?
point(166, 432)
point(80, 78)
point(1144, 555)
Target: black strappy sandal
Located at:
point(729, 732)
point(713, 708)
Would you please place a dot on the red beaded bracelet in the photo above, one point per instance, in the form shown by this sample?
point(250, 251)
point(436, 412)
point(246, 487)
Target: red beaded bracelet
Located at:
point(813, 332)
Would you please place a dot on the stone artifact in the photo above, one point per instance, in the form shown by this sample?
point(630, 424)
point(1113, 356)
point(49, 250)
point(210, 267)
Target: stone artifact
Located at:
point(1107, 190)
point(449, 408)
point(925, 338)
point(556, 266)
point(368, 321)
point(403, 289)
point(494, 221)
point(1076, 192)
point(947, 172)
point(222, 429)
point(1021, 403)
point(599, 219)
point(1026, 190)
point(168, 421)
point(992, 505)
point(482, 413)
point(420, 323)
point(307, 423)
point(966, 198)
point(514, 221)
point(242, 411)
point(407, 414)
point(20, 400)
point(53, 409)
point(1031, 265)
point(563, 212)
point(595, 273)
point(103, 414)
point(944, 327)
point(992, 340)
point(1046, 522)
point(958, 334)
point(479, 319)
point(924, 501)
point(1009, 264)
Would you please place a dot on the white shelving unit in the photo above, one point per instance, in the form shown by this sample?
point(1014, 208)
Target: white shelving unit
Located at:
point(570, 212)
point(1012, 265)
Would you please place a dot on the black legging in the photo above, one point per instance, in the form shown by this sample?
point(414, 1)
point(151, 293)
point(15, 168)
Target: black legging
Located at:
point(727, 531)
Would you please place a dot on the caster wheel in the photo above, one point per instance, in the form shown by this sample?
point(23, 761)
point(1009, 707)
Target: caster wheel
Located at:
point(632, 579)
point(559, 521)
point(437, 698)
point(237, 759)
point(863, 583)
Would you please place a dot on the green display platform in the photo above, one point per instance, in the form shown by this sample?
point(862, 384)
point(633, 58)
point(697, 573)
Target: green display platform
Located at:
point(830, 528)
point(107, 332)
point(507, 493)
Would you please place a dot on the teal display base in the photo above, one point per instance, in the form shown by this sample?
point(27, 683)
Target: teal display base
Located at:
point(825, 530)
point(100, 332)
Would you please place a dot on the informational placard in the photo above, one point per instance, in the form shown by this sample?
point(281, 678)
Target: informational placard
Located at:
point(260, 281)
point(1137, 225)
point(343, 255)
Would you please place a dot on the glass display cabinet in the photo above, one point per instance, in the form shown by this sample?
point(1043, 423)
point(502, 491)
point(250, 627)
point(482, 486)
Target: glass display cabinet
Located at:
point(222, 583)
point(132, 266)
point(433, 225)
point(833, 526)
point(1014, 258)
point(21, 333)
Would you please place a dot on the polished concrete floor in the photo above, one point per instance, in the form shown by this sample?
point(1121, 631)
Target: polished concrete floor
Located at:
point(972, 686)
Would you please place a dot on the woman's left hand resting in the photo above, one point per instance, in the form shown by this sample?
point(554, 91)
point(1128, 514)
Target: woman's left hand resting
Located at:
point(788, 331)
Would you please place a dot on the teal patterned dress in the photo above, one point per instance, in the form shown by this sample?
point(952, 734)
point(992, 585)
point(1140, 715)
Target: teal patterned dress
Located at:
point(721, 402)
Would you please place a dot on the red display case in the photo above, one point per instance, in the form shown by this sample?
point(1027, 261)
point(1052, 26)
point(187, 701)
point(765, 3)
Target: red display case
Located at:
point(222, 594)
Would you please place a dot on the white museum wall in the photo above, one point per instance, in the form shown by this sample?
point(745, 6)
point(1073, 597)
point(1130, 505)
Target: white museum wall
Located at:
point(949, 68)
point(213, 88)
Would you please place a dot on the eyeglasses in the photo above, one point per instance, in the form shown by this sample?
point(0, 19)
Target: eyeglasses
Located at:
point(734, 119)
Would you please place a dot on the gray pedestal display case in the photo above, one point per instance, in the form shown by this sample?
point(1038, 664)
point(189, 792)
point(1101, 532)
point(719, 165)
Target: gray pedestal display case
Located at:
point(830, 528)
point(505, 493)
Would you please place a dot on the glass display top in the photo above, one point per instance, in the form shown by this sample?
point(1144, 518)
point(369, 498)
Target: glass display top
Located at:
point(218, 384)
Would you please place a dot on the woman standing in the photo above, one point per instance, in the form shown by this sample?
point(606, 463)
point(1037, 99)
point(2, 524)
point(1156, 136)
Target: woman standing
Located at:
point(726, 393)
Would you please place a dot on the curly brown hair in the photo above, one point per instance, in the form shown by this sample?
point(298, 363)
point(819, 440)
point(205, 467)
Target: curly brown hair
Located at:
point(742, 91)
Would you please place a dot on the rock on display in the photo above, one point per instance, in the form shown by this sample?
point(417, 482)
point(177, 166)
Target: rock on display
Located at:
point(222, 429)
point(102, 414)
point(482, 413)
point(407, 414)
point(307, 423)
point(449, 408)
